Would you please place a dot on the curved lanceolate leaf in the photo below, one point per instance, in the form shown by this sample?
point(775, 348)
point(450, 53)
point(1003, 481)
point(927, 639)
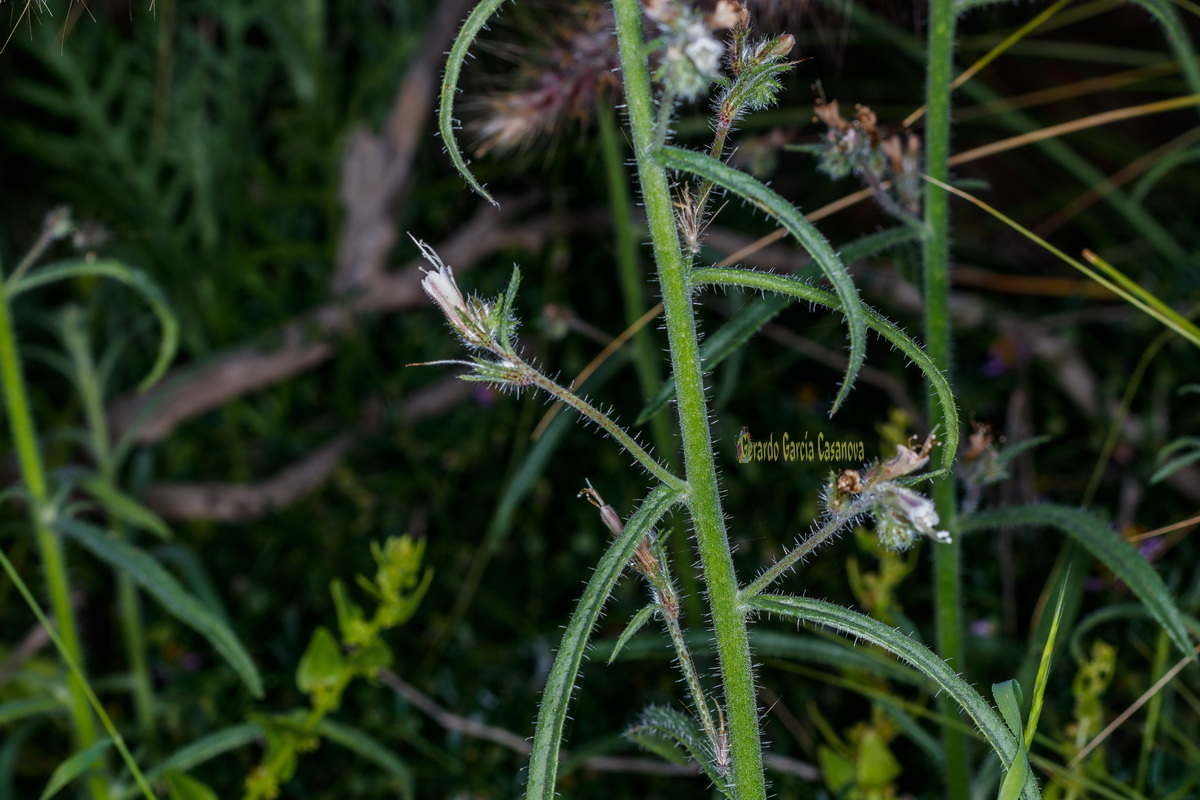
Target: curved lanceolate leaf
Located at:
point(169, 592)
point(860, 626)
point(543, 761)
point(800, 229)
point(75, 766)
point(636, 624)
point(199, 751)
point(1099, 539)
point(1008, 700)
point(722, 343)
point(134, 279)
point(1177, 37)
point(476, 22)
point(660, 730)
point(784, 284)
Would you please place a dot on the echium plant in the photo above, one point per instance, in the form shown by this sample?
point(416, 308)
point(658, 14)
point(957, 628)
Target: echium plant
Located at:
point(722, 733)
point(670, 53)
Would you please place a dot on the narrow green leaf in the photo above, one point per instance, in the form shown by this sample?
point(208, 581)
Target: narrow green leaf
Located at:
point(1008, 700)
point(322, 663)
point(875, 243)
point(750, 319)
point(163, 587)
point(478, 18)
point(543, 761)
point(1043, 673)
point(860, 626)
point(14, 710)
point(784, 284)
point(75, 766)
point(830, 652)
point(185, 787)
point(193, 572)
point(1174, 465)
point(635, 625)
point(370, 748)
point(1105, 544)
point(800, 229)
point(123, 507)
point(1177, 37)
point(135, 279)
point(663, 731)
point(199, 751)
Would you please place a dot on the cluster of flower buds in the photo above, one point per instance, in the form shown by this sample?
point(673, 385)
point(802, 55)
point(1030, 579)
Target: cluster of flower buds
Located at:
point(691, 55)
point(901, 514)
point(857, 147)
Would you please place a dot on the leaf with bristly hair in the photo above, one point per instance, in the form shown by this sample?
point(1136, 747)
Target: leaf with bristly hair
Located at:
point(860, 626)
point(639, 620)
point(664, 730)
point(1105, 544)
point(547, 738)
point(785, 284)
point(475, 22)
point(800, 229)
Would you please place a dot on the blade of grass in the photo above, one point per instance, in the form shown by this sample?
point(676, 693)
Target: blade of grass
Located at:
point(1135, 295)
point(78, 675)
point(1043, 673)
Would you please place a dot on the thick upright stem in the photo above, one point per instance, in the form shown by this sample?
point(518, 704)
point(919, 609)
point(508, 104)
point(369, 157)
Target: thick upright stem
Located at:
point(29, 458)
point(703, 501)
point(946, 558)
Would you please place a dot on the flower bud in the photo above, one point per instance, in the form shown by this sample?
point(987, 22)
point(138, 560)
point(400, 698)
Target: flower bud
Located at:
point(783, 45)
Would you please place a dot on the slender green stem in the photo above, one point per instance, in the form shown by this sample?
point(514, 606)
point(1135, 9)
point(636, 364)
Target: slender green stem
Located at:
point(95, 783)
point(595, 415)
point(688, 667)
point(53, 562)
point(810, 543)
point(91, 391)
point(704, 503)
point(947, 558)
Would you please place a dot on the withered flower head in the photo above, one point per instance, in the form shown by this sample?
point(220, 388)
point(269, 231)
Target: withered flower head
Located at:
point(830, 115)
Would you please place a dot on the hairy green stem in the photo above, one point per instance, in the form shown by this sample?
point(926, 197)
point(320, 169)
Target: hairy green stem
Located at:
point(946, 559)
point(688, 667)
point(810, 543)
point(704, 504)
point(645, 355)
point(53, 562)
point(601, 419)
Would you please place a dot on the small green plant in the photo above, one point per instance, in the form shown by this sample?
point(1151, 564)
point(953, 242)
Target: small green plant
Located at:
point(328, 667)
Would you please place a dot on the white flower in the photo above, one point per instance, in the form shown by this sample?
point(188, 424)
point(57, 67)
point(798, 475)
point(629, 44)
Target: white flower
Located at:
point(912, 510)
point(704, 51)
point(470, 320)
